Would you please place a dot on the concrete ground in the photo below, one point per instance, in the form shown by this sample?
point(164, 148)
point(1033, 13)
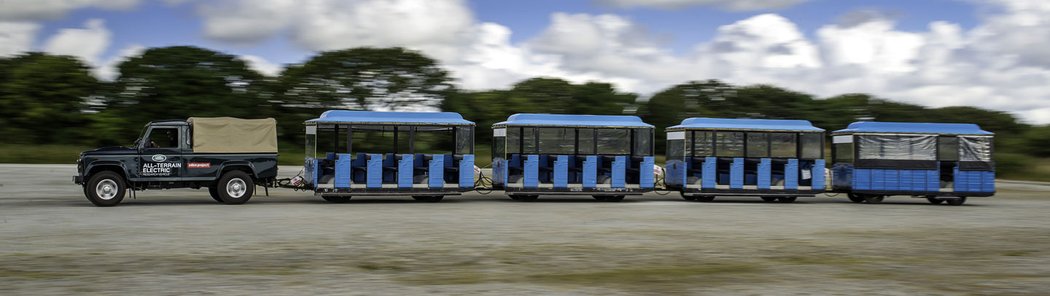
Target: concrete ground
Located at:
point(53, 241)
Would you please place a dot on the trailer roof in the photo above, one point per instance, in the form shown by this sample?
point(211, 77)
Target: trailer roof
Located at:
point(573, 120)
point(747, 124)
point(390, 118)
point(914, 128)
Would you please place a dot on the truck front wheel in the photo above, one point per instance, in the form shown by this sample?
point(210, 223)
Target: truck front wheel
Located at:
point(235, 187)
point(105, 189)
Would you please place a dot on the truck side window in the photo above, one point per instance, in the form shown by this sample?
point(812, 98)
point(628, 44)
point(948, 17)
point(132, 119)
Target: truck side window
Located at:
point(163, 138)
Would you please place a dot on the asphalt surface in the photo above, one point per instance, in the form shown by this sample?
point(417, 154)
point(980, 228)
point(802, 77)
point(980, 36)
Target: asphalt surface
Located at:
point(176, 242)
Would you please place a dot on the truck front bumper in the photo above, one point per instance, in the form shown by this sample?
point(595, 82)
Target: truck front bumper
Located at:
point(78, 180)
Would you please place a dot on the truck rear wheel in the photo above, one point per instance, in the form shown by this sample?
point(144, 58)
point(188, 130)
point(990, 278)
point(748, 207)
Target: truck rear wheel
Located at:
point(105, 189)
point(235, 187)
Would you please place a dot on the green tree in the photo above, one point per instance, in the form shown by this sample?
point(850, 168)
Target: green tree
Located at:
point(1035, 141)
point(366, 79)
point(43, 98)
point(361, 79)
point(184, 81)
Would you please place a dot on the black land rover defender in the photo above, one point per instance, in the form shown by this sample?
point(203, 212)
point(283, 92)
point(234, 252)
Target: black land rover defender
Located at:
point(229, 156)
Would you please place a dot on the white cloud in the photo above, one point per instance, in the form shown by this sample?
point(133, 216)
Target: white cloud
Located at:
point(108, 70)
point(261, 65)
point(734, 5)
point(16, 37)
point(87, 43)
point(336, 24)
point(31, 10)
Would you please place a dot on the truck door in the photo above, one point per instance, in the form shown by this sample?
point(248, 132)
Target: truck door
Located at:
point(161, 156)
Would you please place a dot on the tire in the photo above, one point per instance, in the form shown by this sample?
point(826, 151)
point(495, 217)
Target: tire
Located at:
point(522, 197)
point(214, 193)
point(855, 198)
point(935, 200)
point(689, 198)
point(787, 199)
point(336, 198)
point(235, 187)
point(769, 198)
point(705, 198)
point(105, 189)
point(956, 201)
point(428, 198)
point(874, 199)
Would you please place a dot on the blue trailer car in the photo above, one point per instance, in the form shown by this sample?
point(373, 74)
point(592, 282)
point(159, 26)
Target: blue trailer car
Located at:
point(943, 162)
point(778, 160)
point(423, 154)
point(606, 156)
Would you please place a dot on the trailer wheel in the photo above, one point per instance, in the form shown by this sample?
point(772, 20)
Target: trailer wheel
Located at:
point(769, 198)
point(706, 198)
point(787, 199)
point(935, 200)
point(956, 201)
point(689, 198)
point(855, 198)
point(874, 199)
point(235, 187)
point(336, 199)
point(524, 197)
point(428, 198)
point(105, 189)
point(214, 192)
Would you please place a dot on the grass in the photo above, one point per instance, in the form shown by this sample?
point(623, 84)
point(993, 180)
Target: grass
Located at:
point(24, 153)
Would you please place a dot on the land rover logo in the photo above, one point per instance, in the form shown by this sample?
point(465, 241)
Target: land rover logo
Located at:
point(159, 158)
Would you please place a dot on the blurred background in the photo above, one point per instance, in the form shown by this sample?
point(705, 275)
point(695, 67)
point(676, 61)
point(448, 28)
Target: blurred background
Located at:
point(82, 74)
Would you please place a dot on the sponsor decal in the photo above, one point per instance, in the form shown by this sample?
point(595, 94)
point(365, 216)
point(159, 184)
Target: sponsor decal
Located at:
point(199, 165)
point(160, 169)
point(159, 158)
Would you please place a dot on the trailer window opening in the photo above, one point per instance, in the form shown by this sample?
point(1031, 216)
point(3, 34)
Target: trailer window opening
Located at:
point(729, 144)
point(784, 145)
point(675, 149)
point(434, 140)
point(948, 148)
point(643, 142)
point(614, 141)
point(812, 146)
point(555, 140)
point(465, 140)
point(844, 152)
point(757, 145)
point(586, 143)
point(702, 143)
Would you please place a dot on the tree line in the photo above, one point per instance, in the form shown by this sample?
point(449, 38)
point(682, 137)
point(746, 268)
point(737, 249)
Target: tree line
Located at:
point(49, 99)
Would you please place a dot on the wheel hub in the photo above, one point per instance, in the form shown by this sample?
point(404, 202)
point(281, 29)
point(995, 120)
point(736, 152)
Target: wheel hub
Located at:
point(106, 189)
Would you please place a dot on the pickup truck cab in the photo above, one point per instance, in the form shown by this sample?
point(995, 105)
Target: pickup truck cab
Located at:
point(229, 156)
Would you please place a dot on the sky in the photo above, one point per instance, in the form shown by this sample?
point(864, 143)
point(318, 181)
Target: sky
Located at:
point(985, 53)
